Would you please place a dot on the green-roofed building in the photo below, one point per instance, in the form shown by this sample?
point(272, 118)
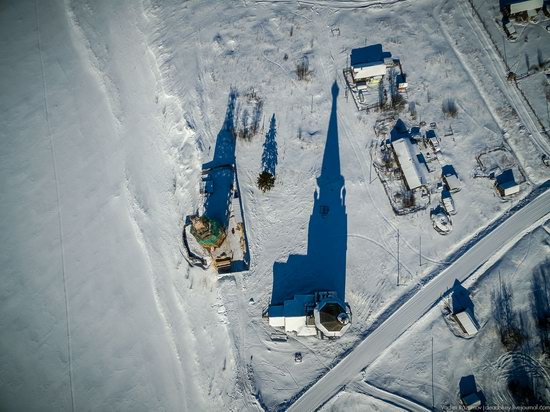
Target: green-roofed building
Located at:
point(208, 232)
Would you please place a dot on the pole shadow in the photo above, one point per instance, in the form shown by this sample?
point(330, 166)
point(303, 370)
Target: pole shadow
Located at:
point(324, 266)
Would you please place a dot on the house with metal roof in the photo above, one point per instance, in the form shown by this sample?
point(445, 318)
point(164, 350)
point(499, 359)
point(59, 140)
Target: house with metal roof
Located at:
point(321, 313)
point(406, 157)
point(369, 63)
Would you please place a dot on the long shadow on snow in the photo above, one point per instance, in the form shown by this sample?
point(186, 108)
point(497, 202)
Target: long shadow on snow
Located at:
point(269, 155)
point(324, 266)
point(222, 167)
point(540, 305)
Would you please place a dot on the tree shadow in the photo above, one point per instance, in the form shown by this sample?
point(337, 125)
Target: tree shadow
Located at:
point(269, 155)
point(540, 305)
point(508, 322)
point(221, 170)
point(324, 266)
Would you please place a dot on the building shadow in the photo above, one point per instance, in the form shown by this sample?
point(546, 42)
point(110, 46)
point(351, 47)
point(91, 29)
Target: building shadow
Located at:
point(399, 131)
point(323, 268)
point(221, 169)
point(461, 298)
point(467, 385)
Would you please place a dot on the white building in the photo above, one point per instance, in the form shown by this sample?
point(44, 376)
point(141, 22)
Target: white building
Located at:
point(453, 182)
point(405, 154)
point(294, 315)
point(466, 323)
point(519, 6)
point(506, 183)
point(321, 313)
point(369, 64)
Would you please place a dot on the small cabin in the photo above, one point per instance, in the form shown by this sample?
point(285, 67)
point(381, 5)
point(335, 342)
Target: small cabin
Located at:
point(506, 183)
point(452, 182)
point(432, 139)
point(471, 401)
point(466, 323)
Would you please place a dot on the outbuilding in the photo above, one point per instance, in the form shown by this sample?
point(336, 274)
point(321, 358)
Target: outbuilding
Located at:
point(452, 182)
point(466, 323)
point(404, 153)
point(471, 401)
point(506, 183)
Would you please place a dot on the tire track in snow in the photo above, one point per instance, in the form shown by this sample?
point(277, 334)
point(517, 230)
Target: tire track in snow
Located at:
point(134, 210)
point(59, 217)
point(105, 81)
point(349, 4)
point(391, 398)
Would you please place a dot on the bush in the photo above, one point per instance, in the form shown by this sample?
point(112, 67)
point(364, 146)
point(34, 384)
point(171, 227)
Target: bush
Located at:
point(302, 69)
point(266, 181)
point(408, 199)
point(449, 108)
point(398, 102)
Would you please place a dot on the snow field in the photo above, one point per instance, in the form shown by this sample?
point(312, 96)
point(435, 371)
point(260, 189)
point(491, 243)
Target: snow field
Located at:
point(135, 95)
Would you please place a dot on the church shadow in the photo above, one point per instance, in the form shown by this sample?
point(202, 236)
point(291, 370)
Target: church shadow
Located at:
point(323, 268)
point(221, 169)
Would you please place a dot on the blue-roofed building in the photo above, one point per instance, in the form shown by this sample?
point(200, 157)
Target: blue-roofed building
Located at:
point(369, 63)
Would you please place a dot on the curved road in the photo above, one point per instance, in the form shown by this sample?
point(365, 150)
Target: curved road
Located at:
point(403, 318)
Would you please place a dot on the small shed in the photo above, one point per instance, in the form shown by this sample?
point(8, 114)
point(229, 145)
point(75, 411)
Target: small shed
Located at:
point(466, 323)
point(471, 401)
point(506, 183)
point(402, 84)
point(431, 136)
point(452, 182)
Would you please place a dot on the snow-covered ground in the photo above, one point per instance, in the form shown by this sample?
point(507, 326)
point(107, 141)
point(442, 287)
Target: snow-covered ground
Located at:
point(109, 109)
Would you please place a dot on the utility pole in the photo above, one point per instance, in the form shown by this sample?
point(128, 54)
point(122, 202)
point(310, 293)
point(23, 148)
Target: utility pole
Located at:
point(420, 251)
point(505, 58)
point(398, 265)
point(433, 391)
